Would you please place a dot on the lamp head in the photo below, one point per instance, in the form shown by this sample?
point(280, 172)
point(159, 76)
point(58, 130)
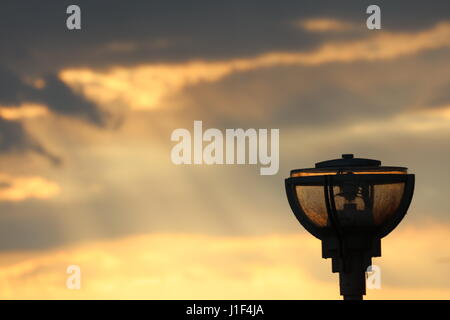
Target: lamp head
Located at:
point(364, 194)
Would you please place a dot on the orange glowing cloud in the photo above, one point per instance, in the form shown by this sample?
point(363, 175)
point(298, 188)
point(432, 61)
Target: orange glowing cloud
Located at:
point(325, 25)
point(188, 266)
point(145, 86)
point(22, 188)
point(25, 110)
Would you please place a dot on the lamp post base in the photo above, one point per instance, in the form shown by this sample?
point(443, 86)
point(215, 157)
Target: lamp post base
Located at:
point(348, 297)
point(352, 282)
point(352, 262)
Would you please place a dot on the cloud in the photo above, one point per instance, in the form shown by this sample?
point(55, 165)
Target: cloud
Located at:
point(21, 99)
point(145, 86)
point(223, 68)
point(417, 124)
point(50, 92)
point(418, 121)
point(360, 108)
point(236, 29)
point(191, 266)
point(62, 100)
point(23, 111)
point(326, 25)
point(13, 188)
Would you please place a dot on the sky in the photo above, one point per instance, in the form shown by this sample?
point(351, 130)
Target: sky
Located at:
point(86, 118)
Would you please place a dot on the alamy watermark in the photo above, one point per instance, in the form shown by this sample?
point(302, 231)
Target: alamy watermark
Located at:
point(73, 22)
point(373, 277)
point(373, 22)
point(235, 146)
point(73, 281)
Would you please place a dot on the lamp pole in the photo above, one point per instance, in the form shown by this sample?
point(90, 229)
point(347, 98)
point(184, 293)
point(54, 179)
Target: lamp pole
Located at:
point(350, 204)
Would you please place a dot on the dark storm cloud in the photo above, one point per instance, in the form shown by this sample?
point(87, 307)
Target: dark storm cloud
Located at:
point(35, 41)
point(55, 95)
point(34, 36)
point(12, 89)
point(61, 99)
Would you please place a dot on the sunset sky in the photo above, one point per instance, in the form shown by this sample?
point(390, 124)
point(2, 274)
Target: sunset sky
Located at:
point(85, 123)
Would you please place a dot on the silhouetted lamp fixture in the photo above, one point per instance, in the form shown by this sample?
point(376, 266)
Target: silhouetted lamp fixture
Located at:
point(350, 204)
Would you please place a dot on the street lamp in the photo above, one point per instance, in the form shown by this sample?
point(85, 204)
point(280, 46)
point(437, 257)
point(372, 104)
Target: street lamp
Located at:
point(350, 204)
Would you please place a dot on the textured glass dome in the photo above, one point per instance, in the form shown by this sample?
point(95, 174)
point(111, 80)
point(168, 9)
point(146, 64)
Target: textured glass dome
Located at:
point(349, 194)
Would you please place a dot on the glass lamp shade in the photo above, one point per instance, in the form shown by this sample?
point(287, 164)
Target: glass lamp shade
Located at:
point(336, 194)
